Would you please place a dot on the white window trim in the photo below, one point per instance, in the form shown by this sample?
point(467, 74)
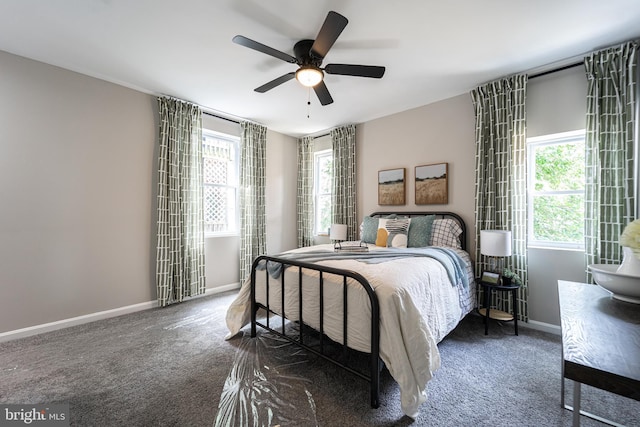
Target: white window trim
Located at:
point(212, 234)
point(236, 232)
point(541, 141)
point(316, 180)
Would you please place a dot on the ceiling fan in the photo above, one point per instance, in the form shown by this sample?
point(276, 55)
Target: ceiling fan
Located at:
point(309, 55)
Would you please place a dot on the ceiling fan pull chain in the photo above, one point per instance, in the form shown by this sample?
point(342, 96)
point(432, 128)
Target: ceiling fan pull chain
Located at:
point(308, 103)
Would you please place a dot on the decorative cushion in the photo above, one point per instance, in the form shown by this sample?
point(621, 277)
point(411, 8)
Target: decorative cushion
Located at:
point(392, 233)
point(419, 234)
point(369, 229)
point(446, 232)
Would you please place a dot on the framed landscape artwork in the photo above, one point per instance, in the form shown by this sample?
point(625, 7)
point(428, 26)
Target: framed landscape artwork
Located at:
point(391, 185)
point(431, 184)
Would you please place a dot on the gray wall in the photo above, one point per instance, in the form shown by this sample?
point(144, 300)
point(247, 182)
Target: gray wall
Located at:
point(555, 103)
point(436, 133)
point(76, 162)
point(281, 170)
point(77, 191)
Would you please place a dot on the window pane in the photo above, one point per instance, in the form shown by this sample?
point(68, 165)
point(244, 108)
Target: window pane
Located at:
point(322, 189)
point(215, 170)
point(325, 165)
point(219, 208)
point(556, 190)
point(220, 176)
point(559, 167)
point(324, 213)
point(559, 218)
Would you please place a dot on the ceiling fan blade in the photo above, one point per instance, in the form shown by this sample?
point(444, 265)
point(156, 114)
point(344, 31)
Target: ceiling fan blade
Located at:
point(275, 82)
point(252, 44)
point(329, 32)
point(355, 70)
point(323, 93)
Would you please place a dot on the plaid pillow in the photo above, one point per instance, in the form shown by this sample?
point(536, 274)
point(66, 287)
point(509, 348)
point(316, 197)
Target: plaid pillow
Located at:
point(446, 232)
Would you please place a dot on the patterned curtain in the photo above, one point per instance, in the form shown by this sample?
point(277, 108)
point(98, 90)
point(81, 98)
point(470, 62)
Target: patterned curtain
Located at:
point(305, 192)
point(253, 235)
point(610, 201)
point(180, 252)
point(501, 180)
point(343, 205)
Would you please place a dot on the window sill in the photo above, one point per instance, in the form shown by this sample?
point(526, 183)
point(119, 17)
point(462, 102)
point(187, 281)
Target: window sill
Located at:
point(555, 248)
point(213, 236)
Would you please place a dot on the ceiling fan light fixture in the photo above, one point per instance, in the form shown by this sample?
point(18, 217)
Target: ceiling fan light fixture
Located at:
point(309, 76)
point(309, 55)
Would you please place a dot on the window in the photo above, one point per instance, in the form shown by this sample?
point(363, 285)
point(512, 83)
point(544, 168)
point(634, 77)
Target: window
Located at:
point(322, 190)
point(556, 190)
point(220, 175)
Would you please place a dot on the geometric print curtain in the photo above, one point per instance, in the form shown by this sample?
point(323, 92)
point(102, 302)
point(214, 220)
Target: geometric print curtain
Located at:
point(253, 231)
point(343, 201)
point(304, 202)
point(180, 227)
point(500, 183)
point(610, 140)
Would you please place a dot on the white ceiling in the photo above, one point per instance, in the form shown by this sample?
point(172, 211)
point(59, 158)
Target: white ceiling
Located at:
point(432, 49)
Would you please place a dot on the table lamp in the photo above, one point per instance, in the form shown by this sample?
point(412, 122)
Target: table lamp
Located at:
point(495, 244)
point(338, 233)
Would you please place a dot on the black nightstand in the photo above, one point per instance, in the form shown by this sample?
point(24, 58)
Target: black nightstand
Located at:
point(488, 313)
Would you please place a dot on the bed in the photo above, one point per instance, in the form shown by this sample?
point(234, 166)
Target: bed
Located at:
point(395, 301)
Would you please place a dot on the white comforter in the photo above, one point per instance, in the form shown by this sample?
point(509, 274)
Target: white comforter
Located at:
point(418, 304)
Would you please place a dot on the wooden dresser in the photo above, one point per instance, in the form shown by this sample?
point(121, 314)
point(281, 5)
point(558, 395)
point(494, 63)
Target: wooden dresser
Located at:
point(600, 342)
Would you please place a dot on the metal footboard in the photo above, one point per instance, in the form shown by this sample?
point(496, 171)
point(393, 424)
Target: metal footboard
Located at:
point(374, 363)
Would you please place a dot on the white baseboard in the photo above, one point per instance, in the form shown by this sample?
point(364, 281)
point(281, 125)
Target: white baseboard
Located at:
point(220, 289)
point(92, 317)
point(541, 326)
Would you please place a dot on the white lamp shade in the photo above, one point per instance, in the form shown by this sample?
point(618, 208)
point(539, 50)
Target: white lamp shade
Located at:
point(338, 232)
point(495, 242)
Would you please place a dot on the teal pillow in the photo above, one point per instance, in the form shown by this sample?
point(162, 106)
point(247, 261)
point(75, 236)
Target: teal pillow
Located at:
point(419, 234)
point(369, 229)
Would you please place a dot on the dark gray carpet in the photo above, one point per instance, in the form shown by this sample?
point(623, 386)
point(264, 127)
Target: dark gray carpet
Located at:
point(172, 367)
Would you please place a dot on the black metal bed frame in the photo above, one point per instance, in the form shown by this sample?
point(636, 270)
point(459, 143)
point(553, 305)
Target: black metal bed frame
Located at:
point(375, 362)
point(374, 366)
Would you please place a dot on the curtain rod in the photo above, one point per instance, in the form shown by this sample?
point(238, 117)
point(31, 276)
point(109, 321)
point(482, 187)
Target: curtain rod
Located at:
point(220, 117)
point(555, 70)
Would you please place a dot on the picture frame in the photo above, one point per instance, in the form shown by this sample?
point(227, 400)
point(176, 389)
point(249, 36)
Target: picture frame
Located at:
point(490, 277)
point(431, 184)
point(391, 187)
